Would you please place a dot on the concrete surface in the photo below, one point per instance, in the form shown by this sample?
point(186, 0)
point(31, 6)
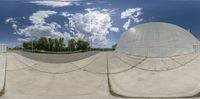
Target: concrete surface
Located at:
point(106, 75)
point(55, 58)
point(149, 80)
point(157, 39)
point(49, 80)
point(2, 72)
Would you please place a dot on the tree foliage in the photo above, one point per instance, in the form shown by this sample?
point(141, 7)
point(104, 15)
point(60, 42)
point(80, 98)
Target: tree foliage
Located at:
point(56, 44)
point(82, 45)
point(72, 44)
point(46, 44)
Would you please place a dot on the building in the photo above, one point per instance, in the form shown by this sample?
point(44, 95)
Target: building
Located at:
point(3, 48)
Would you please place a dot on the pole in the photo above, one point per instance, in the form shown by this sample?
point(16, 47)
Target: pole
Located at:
point(32, 46)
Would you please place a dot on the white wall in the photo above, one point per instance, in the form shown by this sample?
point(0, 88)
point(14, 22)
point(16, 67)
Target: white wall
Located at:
point(3, 48)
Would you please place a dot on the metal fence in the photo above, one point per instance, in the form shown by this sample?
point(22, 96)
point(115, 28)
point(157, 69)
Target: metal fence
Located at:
point(3, 48)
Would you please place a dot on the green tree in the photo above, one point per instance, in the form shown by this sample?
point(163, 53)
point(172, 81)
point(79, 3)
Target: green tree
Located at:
point(51, 44)
point(56, 44)
point(26, 45)
point(61, 44)
point(72, 44)
point(34, 44)
point(82, 45)
point(42, 44)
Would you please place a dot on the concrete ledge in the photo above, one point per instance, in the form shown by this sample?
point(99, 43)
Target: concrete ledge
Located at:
point(2, 72)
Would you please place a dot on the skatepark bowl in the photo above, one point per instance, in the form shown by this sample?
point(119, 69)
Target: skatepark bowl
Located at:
point(125, 73)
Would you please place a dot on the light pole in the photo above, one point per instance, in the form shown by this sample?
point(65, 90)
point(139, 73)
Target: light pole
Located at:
point(32, 46)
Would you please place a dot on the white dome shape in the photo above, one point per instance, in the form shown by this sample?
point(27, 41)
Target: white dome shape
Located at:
point(157, 39)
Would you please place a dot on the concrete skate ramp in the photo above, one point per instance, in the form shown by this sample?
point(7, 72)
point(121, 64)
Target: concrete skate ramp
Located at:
point(105, 60)
point(157, 77)
point(2, 72)
point(26, 77)
point(156, 39)
point(103, 75)
point(164, 59)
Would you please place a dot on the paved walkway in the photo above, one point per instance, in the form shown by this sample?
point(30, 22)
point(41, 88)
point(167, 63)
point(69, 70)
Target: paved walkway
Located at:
point(107, 75)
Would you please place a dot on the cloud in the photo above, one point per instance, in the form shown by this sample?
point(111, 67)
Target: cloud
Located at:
point(127, 24)
point(55, 4)
point(40, 28)
point(114, 29)
point(93, 26)
point(66, 14)
point(10, 19)
point(132, 15)
point(39, 17)
point(89, 3)
point(37, 31)
point(13, 22)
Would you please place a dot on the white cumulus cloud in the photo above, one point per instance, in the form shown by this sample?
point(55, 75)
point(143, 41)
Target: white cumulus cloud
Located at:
point(56, 3)
point(41, 28)
point(39, 17)
point(13, 22)
point(93, 26)
point(132, 15)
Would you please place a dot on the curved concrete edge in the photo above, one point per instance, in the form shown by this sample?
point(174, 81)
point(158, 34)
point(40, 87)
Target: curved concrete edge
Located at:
point(195, 93)
point(51, 68)
point(120, 94)
point(32, 62)
point(2, 73)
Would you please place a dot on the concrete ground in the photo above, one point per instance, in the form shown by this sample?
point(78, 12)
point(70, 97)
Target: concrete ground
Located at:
point(2, 72)
point(106, 75)
point(55, 58)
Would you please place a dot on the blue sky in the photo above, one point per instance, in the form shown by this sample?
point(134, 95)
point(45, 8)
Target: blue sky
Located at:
point(101, 22)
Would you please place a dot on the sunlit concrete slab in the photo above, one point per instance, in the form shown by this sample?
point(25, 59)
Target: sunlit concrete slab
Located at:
point(170, 66)
point(103, 61)
point(30, 82)
point(22, 59)
point(180, 82)
point(56, 68)
point(85, 62)
point(98, 66)
point(14, 63)
point(124, 78)
point(184, 59)
point(115, 65)
point(49, 80)
point(2, 72)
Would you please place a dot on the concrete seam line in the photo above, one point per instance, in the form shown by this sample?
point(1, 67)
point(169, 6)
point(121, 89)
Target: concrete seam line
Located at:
point(123, 96)
point(113, 73)
point(55, 72)
point(9, 70)
point(154, 57)
point(185, 62)
point(158, 70)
